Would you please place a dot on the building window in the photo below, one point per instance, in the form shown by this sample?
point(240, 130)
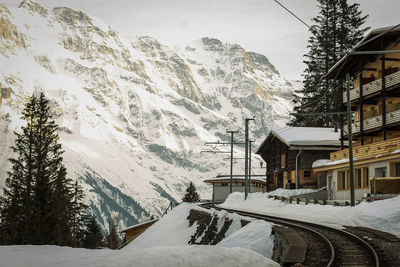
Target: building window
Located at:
point(224, 184)
point(307, 174)
point(242, 184)
point(397, 169)
point(380, 172)
point(283, 161)
point(358, 178)
point(366, 177)
point(341, 180)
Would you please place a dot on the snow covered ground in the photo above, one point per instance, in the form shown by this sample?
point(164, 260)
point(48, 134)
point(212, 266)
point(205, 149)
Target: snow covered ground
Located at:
point(46, 256)
point(164, 244)
point(290, 192)
point(383, 215)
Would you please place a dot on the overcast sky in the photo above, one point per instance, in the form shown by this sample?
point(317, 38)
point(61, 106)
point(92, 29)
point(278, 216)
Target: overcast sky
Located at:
point(257, 25)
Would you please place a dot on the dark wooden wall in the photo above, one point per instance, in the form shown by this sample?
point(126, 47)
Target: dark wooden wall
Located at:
point(307, 157)
point(275, 149)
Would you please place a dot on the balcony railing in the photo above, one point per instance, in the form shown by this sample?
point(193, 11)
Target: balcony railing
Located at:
point(380, 148)
point(373, 87)
point(375, 122)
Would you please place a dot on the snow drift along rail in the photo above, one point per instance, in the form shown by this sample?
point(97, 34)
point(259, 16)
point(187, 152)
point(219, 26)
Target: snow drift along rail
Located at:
point(344, 248)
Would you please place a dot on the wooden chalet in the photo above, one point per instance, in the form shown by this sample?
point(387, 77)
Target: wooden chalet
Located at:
point(290, 152)
point(375, 101)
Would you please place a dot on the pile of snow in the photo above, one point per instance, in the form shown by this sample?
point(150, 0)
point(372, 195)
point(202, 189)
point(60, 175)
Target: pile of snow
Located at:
point(327, 162)
point(185, 256)
point(173, 230)
point(255, 236)
point(383, 215)
point(165, 243)
point(291, 192)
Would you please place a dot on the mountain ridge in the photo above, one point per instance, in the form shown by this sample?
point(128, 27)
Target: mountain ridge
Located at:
point(133, 114)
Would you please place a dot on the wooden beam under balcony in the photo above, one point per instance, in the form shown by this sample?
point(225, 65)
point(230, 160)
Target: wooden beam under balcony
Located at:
point(392, 59)
point(369, 69)
point(381, 148)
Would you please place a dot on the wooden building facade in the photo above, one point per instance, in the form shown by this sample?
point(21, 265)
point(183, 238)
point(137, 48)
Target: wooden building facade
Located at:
point(375, 101)
point(289, 152)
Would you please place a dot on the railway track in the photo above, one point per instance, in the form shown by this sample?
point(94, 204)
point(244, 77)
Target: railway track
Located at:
point(326, 246)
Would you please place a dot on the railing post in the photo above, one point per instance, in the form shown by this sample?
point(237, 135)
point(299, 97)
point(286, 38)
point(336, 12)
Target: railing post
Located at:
point(361, 109)
point(383, 97)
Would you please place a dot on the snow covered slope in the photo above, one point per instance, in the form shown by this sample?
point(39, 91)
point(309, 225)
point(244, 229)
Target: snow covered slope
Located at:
point(134, 114)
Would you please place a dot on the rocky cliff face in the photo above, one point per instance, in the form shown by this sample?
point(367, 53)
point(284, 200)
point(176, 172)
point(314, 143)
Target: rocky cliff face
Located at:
point(133, 114)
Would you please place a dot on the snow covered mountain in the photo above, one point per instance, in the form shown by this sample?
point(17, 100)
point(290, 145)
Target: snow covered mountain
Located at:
point(134, 114)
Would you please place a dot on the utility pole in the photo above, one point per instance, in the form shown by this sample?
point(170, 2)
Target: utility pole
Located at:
point(231, 152)
point(246, 155)
point(350, 134)
point(250, 141)
point(232, 133)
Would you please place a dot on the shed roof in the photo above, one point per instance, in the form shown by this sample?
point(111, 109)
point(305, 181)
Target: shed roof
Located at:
point(139, 224)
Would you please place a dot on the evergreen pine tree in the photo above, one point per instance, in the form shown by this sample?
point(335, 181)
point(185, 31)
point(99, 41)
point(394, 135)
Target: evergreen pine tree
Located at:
point(191, 194)
point(337, 30)
point(38, 202)
point(16, 204)
point(78, 216)
point(112, 239)
point(93, 237)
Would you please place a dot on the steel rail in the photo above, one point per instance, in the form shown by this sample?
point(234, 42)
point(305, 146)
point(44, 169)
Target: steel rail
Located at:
point(300, 225)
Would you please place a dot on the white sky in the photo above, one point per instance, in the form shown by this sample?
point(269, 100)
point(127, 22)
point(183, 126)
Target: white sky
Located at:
point(257, 25)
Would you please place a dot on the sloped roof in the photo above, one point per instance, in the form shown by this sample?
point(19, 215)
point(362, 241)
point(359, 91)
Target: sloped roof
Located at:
point(305, 136)
point(346, 63)
point(254, 178)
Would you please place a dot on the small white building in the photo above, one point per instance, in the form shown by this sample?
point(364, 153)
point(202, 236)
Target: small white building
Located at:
point(378, 175)
point(221, 185)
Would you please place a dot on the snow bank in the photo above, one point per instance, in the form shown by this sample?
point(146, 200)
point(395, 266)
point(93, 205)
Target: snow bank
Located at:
point(165, 244)
point(173, 229)
point(170, 230)
point(383, 215)
point(185, 256)
point(291, 192)
point(255, 236)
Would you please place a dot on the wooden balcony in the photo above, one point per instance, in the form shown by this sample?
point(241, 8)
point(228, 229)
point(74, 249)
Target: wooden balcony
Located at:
point(376, 122)
point(373, 87)
point(381, 148)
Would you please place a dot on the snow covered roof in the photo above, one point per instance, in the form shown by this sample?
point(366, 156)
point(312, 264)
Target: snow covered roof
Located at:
point(258, 178)
point(305, 136)
point(139, 224)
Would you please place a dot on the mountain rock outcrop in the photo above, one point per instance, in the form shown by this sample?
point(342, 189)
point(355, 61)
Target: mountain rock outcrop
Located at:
point(133, 114)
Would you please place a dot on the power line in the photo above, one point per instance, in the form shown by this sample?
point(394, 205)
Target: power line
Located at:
point(294, 15)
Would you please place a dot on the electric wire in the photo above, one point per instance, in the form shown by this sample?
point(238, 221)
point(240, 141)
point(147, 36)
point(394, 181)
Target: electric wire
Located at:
point(294, 15)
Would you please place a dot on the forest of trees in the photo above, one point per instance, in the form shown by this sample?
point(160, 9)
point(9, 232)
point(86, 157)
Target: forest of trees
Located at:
point(336, 30)
point(40, 204)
